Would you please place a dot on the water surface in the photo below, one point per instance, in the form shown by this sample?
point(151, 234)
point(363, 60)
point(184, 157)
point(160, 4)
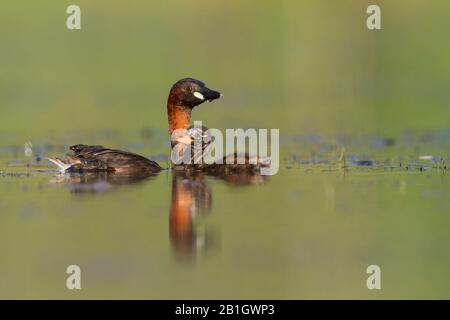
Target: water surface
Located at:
point(308, 232)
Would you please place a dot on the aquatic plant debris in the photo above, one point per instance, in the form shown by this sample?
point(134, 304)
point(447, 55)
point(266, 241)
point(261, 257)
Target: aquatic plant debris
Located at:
point(28, 149)
point(14, 174)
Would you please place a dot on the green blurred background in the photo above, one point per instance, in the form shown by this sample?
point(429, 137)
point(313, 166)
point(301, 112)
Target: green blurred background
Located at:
point(301, 66)
point(309, 68)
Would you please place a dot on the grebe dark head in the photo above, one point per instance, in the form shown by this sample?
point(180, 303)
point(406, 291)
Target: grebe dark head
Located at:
point(184, 95)
point(190, 92)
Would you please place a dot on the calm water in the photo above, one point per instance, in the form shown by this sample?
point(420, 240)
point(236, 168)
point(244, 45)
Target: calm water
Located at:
point(310, 68)
point(308, 232)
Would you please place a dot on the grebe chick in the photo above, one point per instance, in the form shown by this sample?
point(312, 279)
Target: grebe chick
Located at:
point(100, 159)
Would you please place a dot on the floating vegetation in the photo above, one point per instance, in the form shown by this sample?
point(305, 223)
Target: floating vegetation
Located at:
point(46, 170)
point(365, 163)
point(14, 174)
point(28, 149)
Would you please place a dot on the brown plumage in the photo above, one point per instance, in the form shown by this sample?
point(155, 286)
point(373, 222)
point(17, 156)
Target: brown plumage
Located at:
point(99, 158)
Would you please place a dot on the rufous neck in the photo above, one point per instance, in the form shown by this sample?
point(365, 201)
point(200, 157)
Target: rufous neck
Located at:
point(179, 117)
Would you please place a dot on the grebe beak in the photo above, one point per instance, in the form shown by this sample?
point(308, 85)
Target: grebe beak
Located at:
point(208, 94)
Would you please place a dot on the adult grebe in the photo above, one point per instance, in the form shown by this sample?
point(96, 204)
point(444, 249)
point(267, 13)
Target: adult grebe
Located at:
point(183, 97)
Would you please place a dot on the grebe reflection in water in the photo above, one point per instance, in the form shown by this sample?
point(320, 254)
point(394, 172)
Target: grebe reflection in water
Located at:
point(191, 202)
point(192, 199)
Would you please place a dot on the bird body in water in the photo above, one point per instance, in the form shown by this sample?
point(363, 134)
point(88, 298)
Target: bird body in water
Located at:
point(99, 158)
point(183, 97)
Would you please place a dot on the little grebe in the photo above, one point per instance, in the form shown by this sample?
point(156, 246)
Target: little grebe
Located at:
point(183, 97)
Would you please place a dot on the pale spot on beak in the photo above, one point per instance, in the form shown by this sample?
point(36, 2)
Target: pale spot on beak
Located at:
point(198, 95)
